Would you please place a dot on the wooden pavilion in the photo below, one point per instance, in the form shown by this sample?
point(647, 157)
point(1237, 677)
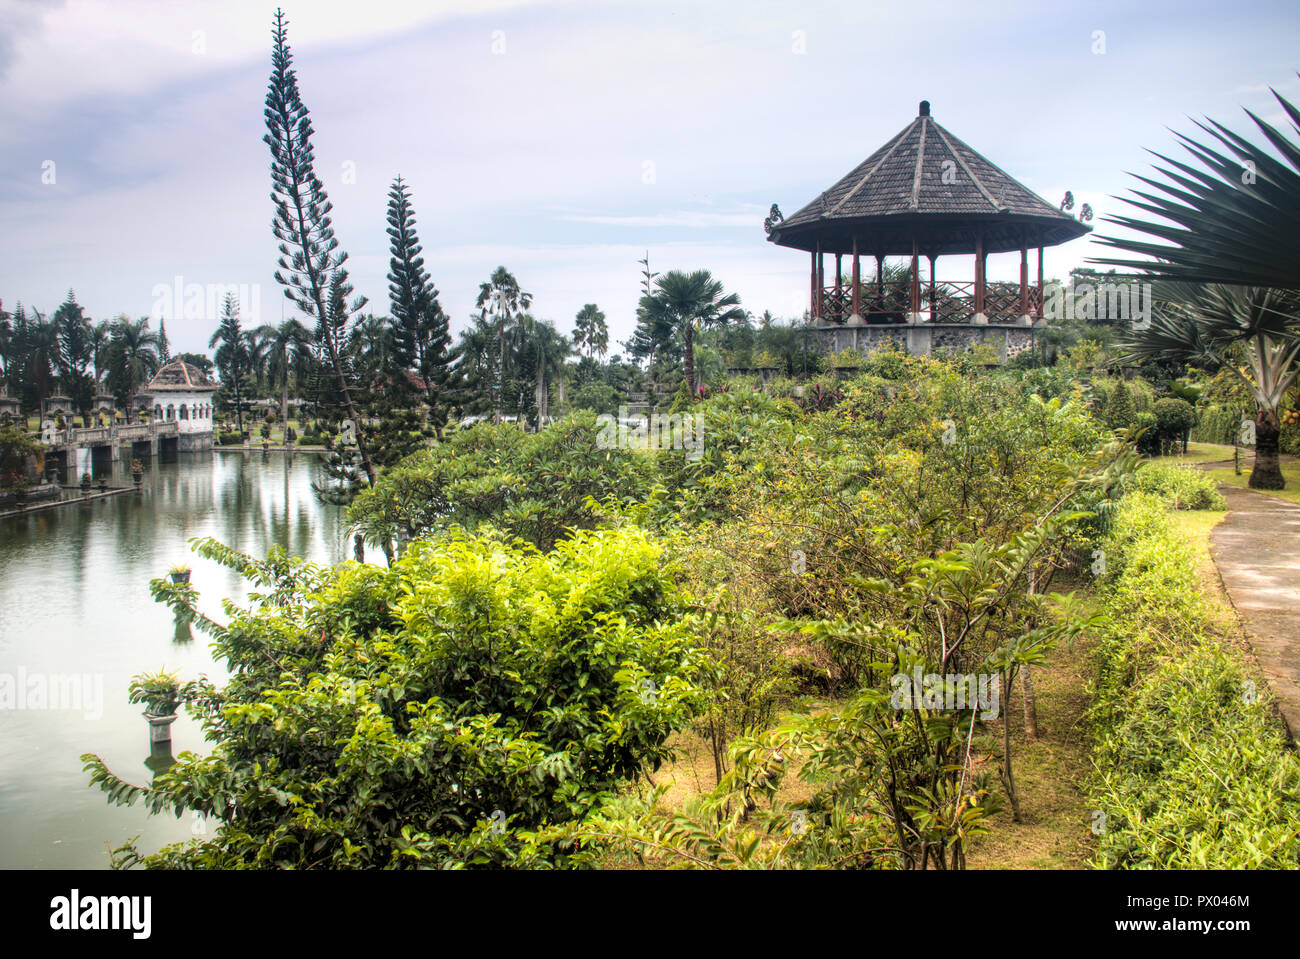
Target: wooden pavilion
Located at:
point(927, 194)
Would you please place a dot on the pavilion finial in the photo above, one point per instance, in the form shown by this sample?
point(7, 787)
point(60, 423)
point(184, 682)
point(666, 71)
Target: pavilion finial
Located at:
point(925, 108)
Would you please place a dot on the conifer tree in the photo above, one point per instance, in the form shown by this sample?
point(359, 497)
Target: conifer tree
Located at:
point(310, 258)
point(421, 329)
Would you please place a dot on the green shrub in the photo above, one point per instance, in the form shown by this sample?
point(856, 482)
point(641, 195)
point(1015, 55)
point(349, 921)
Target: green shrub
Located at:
point(428, 715)
point(1192, 767)
point(1174, 419)
point(1182, 487)
point(1217, 424)
point(229, 439)
point(599, 398)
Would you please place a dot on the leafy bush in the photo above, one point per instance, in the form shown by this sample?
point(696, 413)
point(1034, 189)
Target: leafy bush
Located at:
point(1174, 420)
point(1183, 487)
point(531, 485)
point(229, 439)
point(1193, 768)
point(428, 715)
point(1217, 424)
point(597, 397)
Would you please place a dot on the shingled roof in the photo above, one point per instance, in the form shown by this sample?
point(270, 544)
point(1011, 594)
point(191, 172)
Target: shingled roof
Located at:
point(926, 183)
point(178, 376)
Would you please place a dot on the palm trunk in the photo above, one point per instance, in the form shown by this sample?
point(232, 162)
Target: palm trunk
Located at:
point(501, 371)
point(539, 396)
point(1267, 473)
point(690, 359)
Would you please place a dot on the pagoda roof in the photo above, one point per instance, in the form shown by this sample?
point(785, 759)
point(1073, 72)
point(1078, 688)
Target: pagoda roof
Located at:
point(179, 376)
point(926, 185)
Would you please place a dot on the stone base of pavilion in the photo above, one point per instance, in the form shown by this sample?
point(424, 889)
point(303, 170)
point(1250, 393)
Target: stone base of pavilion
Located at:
point(922, 337)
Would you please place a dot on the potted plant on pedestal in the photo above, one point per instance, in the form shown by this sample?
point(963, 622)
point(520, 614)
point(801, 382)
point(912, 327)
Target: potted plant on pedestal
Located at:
point(86, 480)
point(180, 573)
point(160, 694)
point(137, 473)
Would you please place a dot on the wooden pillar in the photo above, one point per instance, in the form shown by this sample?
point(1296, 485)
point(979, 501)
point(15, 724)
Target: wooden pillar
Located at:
point(857, 281)
point(934, 292)
point(821, 283)
point(1024, 278)
point(915, 298)
point(979, 272)
point(839, 300)
point(1040, 283)
point(880, 283)
point(812, 284)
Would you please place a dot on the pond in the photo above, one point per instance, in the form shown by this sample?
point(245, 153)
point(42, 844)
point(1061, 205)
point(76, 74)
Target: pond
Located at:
point(77, 622)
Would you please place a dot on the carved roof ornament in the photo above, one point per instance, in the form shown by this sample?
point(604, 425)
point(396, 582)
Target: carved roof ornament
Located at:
point(774, 217)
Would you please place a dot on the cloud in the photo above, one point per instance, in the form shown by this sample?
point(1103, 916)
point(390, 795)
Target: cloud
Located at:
point(686, 219)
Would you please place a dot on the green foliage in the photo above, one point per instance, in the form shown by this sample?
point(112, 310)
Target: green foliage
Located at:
point(1192, 769)
point(430, 715)
point(1119, 414)
point(597, 397)
point(1182, 487)
point(531, 485)
point(15, 447)
point(1218, 423)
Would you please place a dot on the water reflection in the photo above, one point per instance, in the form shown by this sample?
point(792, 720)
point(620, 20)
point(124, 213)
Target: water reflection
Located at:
point(75, 595)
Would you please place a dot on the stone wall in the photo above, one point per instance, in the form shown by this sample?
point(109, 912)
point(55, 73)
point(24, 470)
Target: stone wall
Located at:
point(922, 338)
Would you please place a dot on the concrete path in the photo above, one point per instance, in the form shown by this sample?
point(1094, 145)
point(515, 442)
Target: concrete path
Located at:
point(1257, 550)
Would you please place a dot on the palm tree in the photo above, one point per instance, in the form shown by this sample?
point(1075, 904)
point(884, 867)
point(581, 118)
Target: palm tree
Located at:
point(683, 301)
point(38, 344)
point(285, 347)
point(542, 346)
point(134, 356)
point(1217, 323)
point(100, 334)
point(373, 348)
point(1234, 225)
point(590, 331)
point(501, 298)
point(474, 366)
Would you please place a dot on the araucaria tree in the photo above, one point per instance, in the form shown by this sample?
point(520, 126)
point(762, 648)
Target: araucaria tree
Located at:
point(421, 335)
point(231, 355)
point(75, 350)
point(310, 258)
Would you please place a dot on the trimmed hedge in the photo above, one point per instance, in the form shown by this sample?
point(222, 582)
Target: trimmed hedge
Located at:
point(1192, 767)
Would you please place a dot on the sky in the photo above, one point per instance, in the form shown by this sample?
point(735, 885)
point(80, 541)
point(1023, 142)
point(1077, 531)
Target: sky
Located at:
point(567, 139)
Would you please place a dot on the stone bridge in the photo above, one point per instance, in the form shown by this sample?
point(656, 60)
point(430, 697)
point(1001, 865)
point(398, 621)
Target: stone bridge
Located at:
point(104, 442)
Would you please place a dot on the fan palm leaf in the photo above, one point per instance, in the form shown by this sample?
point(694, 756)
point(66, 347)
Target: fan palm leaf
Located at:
point(1234, 224)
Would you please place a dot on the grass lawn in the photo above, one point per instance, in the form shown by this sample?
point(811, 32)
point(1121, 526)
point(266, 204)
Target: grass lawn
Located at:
point(1290, 473)
point(1198, 453)
point(1055, 829)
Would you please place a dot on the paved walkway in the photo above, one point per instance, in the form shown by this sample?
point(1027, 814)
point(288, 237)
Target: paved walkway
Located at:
point(1257, 550)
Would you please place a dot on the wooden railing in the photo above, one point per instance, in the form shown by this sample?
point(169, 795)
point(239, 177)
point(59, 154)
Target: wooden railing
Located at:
point(952, 302)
